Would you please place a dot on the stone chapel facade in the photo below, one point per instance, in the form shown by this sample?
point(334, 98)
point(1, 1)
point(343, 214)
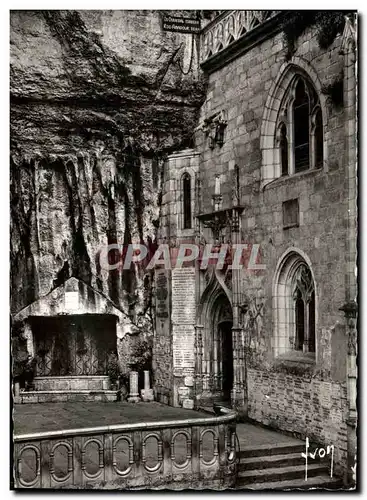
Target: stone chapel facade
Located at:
point(273, 167)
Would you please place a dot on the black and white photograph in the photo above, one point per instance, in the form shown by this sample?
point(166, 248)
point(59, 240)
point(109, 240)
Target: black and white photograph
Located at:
point(183, 250)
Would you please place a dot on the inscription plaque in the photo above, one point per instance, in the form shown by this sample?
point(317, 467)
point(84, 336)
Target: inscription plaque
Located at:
point(183, 346)
point(181, 24)
point(162, 295)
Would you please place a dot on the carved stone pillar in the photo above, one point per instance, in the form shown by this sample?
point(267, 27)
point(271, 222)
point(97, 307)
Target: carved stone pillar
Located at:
point(350, 151)
point(199, 386)
point(147, 392)
point(242, 363)
point(215, 370)
point(134, 388)
point(348, 49)
point(350, 311)
point(239, 373)
point(238, 395)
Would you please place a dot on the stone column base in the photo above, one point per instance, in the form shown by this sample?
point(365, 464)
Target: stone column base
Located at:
point(133, 399)
point(147, 395)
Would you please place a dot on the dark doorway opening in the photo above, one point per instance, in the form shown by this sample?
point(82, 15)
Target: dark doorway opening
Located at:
point(227, 358)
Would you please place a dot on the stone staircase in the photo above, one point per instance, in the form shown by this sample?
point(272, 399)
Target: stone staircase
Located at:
point(69, 388)
point(281, 467)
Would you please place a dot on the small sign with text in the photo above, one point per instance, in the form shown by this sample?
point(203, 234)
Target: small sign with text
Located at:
point(181, 24)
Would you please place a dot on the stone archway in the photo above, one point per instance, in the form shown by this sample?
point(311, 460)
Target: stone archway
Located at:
point(215, 367)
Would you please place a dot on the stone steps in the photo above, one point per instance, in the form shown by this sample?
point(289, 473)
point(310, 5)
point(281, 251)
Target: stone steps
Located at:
point(281, 473)
point(64, 396)
point(257, 463)
point(264, 450)
point(280, 467)
point(316, 482)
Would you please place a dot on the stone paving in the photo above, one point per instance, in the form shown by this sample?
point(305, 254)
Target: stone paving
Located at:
point(42, 417)
point(29, 418)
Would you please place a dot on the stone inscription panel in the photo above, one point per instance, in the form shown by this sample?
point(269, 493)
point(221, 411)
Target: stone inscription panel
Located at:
point(183, 296)
point(183, 348)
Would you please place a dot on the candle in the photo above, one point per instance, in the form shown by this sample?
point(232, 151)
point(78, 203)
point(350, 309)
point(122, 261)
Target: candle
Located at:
point(217, 184)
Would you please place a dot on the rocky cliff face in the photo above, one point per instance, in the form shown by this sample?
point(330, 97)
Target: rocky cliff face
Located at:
point(98, 99)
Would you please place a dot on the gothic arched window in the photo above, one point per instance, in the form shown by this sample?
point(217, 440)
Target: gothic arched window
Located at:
point(186, 191)
point(292, 137)
point(303, 337)
point(295, 307)
point(300, 129)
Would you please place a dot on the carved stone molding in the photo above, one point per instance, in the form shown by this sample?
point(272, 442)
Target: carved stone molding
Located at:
point(349, 37)
point(220, 33)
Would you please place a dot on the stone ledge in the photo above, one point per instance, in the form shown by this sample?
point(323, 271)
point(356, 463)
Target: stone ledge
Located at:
point(285, 179)
point(63, 377)
point(295, 363)
point(72, 383)
point(297, 357)
point(64, 396)
point(197, 419)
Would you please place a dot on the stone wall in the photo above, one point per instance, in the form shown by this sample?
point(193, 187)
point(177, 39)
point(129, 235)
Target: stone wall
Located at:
point(305, 407)
point(240, 90)
point(182, 312)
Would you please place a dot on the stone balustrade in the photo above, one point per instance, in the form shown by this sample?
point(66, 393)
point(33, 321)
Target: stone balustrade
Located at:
point(195, 453)
point(229, 27)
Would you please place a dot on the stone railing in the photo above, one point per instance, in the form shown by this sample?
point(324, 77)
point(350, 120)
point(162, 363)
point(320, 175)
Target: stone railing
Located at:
point(229, 27)
point(191, 453)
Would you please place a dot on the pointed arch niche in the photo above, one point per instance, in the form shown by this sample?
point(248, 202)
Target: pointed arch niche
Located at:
point(294, 307)
point(216, 320)
point(293, 123)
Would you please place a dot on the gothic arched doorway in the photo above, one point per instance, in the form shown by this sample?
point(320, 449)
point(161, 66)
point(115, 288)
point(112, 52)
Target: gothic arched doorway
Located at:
point(222, 348)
